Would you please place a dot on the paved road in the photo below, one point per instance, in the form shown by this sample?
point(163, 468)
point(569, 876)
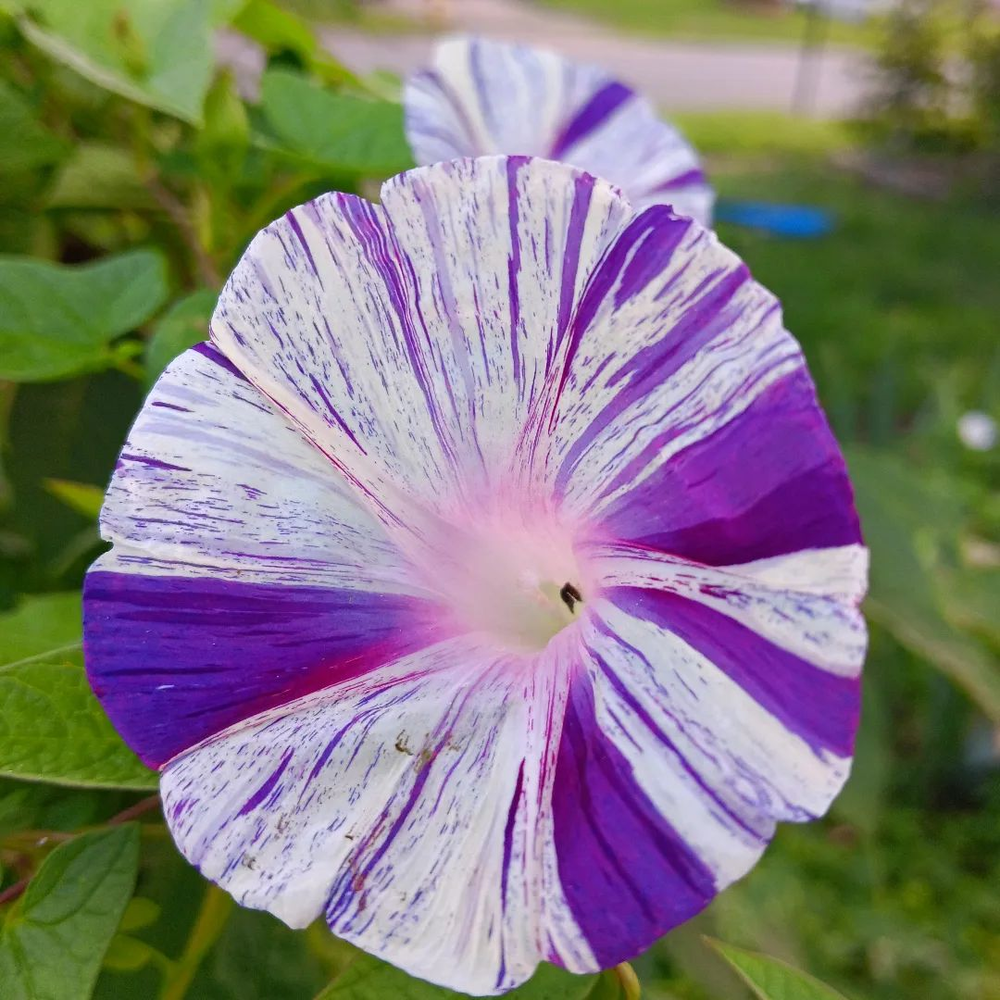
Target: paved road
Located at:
point(676, 75)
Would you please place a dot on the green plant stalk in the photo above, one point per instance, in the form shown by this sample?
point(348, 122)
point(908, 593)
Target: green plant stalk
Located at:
point(628, 981)
point(215, 910)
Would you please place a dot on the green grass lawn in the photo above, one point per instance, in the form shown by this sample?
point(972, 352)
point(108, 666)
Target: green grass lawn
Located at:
point(715, 19)
point(737, 135)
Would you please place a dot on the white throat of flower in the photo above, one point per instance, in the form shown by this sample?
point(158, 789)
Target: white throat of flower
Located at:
point(513, 578)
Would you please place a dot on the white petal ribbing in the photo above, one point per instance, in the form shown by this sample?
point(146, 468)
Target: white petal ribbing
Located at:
point(213, 482)
point(408, 340)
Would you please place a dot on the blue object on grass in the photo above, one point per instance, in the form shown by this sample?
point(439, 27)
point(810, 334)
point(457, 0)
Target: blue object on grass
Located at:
point(797, 222)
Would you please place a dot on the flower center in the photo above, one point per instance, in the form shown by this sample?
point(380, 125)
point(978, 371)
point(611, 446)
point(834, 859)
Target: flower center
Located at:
point(519, 583)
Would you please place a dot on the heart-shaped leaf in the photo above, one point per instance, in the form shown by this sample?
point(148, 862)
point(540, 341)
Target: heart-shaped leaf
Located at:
point(55, 937)
point(58, 320)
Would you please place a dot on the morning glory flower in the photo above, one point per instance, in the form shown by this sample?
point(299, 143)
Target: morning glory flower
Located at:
point(481, 97)
point(488, 584)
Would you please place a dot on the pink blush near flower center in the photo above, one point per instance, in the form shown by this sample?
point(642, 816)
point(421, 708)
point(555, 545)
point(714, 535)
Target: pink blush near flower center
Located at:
point(520, 583)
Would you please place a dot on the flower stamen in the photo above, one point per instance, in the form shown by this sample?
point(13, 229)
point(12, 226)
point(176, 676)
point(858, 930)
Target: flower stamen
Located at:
point(571, 596)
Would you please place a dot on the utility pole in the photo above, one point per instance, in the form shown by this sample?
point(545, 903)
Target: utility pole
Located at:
point(814, 37)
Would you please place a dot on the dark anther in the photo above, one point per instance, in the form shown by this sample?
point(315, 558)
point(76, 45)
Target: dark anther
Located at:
point(570, 595)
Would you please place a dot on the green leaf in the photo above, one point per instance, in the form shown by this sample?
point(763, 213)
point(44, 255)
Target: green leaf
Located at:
point(182, 326)
point(226, 124)
point(971, 597)
point(84, 498)
point(31, 806)
point(55, 936)
point(58, 320)
point(277, 29)
point(100, 175)
point(25, 144)
point(908, 519)
point(155, 52)
point(368, 978)
point(339, 132)
point(40, 626)
point(223, 11)
point(772, 979)
point(52, 728)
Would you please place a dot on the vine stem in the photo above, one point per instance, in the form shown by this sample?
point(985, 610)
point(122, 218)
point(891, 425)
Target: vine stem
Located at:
point(12, 892)
point(42, 836)
point(207, 272)
point(137, 809)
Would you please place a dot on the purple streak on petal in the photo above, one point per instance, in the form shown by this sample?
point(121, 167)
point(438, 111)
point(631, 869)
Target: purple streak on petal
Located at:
point(508, 835)
point(332, 410)
point(626, 695)
point(463, 144)
point(350, 884)
point(484, 98)
point(265, 789)
point(591, 116)
point(399, 280)
point(297, 229)
point(638, 255)
point(687, 179)
point(583, 192)
point(770, 482)
point(170, 406)
point(652, 238)
point(514, 268)
point(626, 873)
point(149, 462)
point(508, 850)
point(209, 350)
point(820, 707)
point(175, 660)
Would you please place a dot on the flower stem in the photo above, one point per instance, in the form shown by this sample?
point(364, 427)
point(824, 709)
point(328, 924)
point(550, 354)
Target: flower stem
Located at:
point(133, 811)
point(212, 917)
point(175, 210)
point(628, 980)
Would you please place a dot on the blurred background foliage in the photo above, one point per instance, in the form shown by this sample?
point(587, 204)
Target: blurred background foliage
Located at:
point(134, 173)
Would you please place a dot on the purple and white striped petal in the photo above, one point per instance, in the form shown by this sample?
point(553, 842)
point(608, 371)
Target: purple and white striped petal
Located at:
point(481, 97)
point(686, 419)
point(409, 805)
point(409, 340)
point(490, 584)
point(244, 573)
point(712, 703)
